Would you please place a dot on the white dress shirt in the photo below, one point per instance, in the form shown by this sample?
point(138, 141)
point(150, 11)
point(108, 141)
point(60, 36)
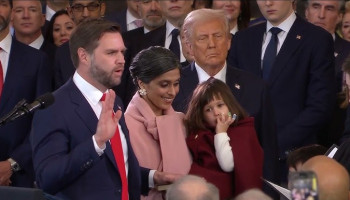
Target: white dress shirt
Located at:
point(38, 42)
point(130, 21)
point(285, 26)
point(168, 37)
point(203, 76)
point(49, 13)
point(93, 96)
point(5, 45)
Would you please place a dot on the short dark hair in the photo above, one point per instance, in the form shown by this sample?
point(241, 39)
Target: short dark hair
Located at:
point(302, 154)
point(87, 35)
point(202, 95)
point(151, 63)
point(71, 1)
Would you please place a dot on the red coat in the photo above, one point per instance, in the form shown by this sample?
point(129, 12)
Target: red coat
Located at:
point(247, 154)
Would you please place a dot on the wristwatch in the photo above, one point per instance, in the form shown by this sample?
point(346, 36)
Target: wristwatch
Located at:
point(14, 165)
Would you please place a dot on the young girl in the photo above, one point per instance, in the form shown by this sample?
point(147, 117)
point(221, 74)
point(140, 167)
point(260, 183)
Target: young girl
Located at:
point(222, 140)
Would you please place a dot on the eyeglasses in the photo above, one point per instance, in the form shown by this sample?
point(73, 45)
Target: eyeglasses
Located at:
point(80, 8)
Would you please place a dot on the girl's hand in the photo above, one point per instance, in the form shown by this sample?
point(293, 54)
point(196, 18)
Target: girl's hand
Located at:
point(224, 121)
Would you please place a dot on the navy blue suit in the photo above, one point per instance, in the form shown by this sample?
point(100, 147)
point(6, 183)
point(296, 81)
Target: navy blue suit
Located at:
point(119, 18)
point(65, 161)
point(63, 65)
point(27, 77)
point(301, 81)
point(251, 92)
point(336, 128)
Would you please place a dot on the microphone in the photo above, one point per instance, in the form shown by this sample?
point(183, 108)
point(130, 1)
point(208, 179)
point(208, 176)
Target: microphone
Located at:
point(22, 108)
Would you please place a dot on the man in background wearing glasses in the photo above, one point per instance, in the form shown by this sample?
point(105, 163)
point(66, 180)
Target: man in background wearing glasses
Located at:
point(79, 11)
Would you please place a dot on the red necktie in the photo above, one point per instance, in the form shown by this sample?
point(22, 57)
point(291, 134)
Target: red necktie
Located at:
point(119, 158)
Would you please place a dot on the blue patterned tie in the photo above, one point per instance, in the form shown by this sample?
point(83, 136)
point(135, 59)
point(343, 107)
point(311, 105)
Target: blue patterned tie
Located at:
point(270, 52)
point(174, 45)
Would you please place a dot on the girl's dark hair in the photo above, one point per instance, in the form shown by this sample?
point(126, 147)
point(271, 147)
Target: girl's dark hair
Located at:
point(49, 30)
point(151, 63)
point(202, 95)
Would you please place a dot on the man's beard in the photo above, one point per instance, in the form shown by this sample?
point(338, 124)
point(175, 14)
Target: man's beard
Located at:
point(102, 76)
point(4, 23)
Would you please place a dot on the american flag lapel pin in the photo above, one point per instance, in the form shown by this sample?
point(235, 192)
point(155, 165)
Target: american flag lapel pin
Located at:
point(237, 86)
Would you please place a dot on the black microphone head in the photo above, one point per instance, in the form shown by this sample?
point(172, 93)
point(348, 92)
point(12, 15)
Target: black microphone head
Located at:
point(46, 100)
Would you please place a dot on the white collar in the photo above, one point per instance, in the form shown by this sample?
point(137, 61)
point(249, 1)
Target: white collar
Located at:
point(38, 42)
point(286, 25)
point(234, 30)
point(49, 13)
point(169, 28)
point(89, 91)
point(203, 76)
point(6, 43)
point(129, 17)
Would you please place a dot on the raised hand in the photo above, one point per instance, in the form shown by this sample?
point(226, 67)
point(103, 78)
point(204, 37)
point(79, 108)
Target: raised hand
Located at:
point(108, 120)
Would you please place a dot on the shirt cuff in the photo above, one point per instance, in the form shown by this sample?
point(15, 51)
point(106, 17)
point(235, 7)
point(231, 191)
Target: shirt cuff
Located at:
point(150, 178)
point(98, 150)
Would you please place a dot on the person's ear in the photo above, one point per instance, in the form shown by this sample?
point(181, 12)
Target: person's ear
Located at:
point(103, 9)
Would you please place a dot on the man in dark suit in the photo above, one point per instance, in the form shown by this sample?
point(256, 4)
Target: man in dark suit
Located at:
point(73, 144)
point(174, 12)
point(152, 18)
point(129, 18)
point(301, 77)
point(79, 11)
point(207, 34)
point(24, 75)
point(27, 20)
point(328, 14)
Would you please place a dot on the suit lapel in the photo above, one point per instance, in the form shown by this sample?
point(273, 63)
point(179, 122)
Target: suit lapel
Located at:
point(190, 80)
point(233, 81)
point(83, 109)
point(293, 40)
point(14, 68)
point(155, 37)
point(256, 44)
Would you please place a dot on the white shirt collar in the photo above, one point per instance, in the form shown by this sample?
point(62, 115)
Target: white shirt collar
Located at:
point(203, 76)
point(286, 25)
point(6, 43)
point(129, 17)
point(145, 30)
point(234, 30)
point(38, 42)
point(49, 13)
point(169, 28)
point(91, 93)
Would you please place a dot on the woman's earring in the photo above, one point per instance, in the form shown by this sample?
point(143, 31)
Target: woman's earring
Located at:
point(142, 92)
